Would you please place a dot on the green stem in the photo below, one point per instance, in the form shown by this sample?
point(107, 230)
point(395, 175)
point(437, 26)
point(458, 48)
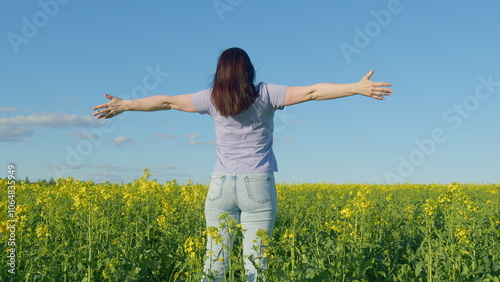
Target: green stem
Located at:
point(429, 262)
point(89, 267)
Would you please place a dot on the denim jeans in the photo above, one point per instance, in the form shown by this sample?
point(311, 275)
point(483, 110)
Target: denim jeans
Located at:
point(249, 199)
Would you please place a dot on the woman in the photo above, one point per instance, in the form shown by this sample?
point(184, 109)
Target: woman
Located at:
point(242, 184)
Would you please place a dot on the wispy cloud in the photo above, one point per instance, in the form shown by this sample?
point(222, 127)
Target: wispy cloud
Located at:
point(14, 133)
point(164, 167)
point(6, 110)
point(163, 136)
point(19, 128)
point(121, 141)
point(198, 143)
point(53, 120)
point(192, 136)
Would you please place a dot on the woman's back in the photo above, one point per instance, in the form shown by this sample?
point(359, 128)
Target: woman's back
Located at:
point(244, 141)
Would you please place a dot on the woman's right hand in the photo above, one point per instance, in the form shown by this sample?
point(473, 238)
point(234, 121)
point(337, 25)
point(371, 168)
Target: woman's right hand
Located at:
point(111, 109)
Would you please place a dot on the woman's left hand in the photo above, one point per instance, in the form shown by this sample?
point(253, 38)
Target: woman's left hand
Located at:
point(373, 89)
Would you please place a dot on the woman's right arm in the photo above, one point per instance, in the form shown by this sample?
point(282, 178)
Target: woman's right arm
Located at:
point(327, 91)
point(116, 106)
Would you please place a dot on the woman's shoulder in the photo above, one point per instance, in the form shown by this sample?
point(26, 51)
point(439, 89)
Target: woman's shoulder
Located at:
point(270, 86)
point(273, 93)
point(202, 101)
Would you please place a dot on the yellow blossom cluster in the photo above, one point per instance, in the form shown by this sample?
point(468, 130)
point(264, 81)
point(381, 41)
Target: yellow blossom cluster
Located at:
point(76, 230)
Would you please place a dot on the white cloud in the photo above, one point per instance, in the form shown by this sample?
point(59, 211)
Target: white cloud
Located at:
point(53, 120)
point(17, 128)
point(4, 109)
point(198, 143)
point(121, 141)
point(164, 167)
point(56, 166)
point(14, 133)
point(163, 136)
point(192, 136)
point(108, 167)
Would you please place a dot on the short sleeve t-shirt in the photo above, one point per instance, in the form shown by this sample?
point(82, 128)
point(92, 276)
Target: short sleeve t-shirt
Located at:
point(245, 141)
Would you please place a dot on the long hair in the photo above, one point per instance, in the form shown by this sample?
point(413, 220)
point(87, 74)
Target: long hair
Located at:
point(233, 89)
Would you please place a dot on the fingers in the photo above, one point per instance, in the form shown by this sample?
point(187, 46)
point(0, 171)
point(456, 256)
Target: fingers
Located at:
point(379, 95)
point(383, 90)
point(100, 107)
point(101, 113)
point(378, 84)
point(105, 115)
point(378, 89)
point(105, 112)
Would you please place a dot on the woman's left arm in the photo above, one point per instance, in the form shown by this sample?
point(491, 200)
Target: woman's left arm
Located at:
point(327, 91)
point(116, 106)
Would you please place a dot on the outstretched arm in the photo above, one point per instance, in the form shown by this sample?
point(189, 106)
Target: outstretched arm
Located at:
point(117, 106)
point(326, 91)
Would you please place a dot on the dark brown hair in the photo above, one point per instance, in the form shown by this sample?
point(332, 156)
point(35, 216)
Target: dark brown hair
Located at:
point(233, 89)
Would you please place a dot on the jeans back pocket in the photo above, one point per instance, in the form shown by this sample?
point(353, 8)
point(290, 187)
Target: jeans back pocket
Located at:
point(215, 188)
point(259, 188)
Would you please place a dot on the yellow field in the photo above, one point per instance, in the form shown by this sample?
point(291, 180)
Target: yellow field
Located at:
point(74, 230)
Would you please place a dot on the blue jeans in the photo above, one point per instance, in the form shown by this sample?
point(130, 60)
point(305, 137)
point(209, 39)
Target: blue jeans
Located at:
point(249, 199)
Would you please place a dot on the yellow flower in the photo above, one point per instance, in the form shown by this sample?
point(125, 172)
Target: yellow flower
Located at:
point(346, 212)
point(214, 234)
point(461, 234)
point(3, 227)
point(429, 207)
point(287, 235)
point(42, 231)
point(161, 220)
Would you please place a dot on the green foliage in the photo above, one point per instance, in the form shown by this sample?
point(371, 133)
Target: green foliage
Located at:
point(72, 230)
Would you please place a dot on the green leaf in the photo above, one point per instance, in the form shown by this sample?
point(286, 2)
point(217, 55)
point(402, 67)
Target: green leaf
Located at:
point(310, 273)
point(418, 268)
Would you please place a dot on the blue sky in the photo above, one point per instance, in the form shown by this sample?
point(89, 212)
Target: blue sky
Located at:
point(442, 123)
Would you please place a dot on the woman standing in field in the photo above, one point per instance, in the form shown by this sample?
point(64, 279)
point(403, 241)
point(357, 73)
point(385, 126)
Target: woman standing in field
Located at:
point(242, 184)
